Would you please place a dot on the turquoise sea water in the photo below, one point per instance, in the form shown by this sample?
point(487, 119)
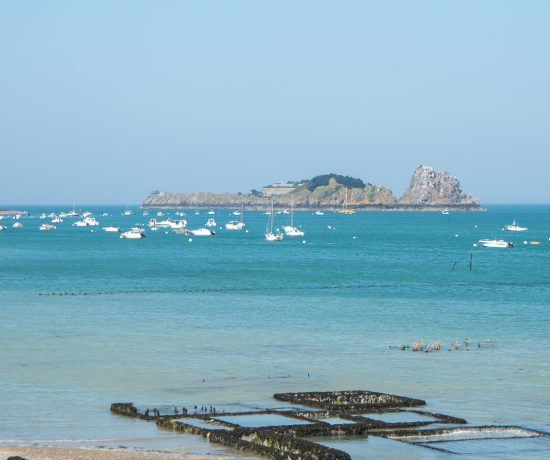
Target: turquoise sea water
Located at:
point(230, 320)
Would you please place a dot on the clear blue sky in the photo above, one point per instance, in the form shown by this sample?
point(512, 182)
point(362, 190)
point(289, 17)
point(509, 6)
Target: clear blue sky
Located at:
point(102, 101)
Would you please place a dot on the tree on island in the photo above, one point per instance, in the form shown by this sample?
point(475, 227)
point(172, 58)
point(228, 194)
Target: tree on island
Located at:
point(323, 180)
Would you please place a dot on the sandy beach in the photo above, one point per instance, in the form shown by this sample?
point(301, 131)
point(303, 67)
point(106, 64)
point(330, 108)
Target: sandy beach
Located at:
point(62, 453)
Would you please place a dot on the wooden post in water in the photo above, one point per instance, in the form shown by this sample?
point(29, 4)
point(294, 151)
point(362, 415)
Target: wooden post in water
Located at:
point(470, 261)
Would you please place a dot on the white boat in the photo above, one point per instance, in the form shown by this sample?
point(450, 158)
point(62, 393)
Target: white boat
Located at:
point(112, 229)
point(445, 212)
point(91, 221)
point(145, 213)
point(179, 231)
point(291, 230)
point(127, 212)
point(17, 225)
point(3, 227)
point(160, 214)
point(319, 213)
point(236, 213)
point(211, 212)
point(57, 220)
point(86, 214)
point(72, 213)
point(86, 222)
point(203, 232)
point(178, 224)
point(133, 233)
point(495, 243)
point(513, 227)
point(211, 223)
point(105, 214)
point(234, 225)
point(43, 216)
point(47, 227)
point(271, 235)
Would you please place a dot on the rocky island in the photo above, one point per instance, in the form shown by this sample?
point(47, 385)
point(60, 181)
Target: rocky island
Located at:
point(429, 190)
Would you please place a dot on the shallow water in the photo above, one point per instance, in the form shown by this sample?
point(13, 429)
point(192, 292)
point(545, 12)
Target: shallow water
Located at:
point(232, 319)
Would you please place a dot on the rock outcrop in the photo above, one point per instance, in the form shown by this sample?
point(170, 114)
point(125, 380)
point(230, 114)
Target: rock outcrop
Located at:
point(428, 190)
point(435, 188)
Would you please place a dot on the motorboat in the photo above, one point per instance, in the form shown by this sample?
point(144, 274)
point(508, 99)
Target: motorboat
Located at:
point(145, 213)
point(127, 212)
point(292, 231)
point(319, 213)
point(179, 231)
point(495, 243)
point(86, 222)
point(43, 216)
point(211, 223)
point(513, 227)
point(91, 221)
point(178, 224)
point(236, 213)
point(160, 214)
point(211, 212)
point(57, 220)
point(445, 212)
point(17, 225)
point(3, 227)
point(203, 232)
point(112, 229)
point(234, 225)
point(86, 214)
point(47, 227)
point(134, 233)
point(271, 235)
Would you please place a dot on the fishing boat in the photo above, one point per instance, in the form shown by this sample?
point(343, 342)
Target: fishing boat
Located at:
point(291, 230)
point(496, 243)
point(513, 227)
point(270, 235)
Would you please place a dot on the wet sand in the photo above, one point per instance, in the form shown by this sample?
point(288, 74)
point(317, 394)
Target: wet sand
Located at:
point(62, 453)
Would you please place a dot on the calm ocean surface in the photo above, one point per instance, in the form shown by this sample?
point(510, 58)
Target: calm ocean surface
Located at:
point(230, 320)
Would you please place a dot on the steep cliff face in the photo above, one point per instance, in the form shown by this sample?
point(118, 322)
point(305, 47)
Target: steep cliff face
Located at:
point(433, 188)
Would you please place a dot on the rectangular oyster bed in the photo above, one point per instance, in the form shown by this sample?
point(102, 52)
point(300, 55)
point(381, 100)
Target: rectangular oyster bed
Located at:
point(291, 432)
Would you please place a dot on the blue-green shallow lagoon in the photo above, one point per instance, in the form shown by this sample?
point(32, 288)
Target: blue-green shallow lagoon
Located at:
point(151, 319)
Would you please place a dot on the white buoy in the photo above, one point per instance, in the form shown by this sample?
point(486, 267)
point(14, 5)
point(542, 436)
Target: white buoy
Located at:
point(456, 235)
point(354, 237)
point(303, 241)
point(190, 239)
point(525, 242)
point(475, 245)
point(475, 226)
